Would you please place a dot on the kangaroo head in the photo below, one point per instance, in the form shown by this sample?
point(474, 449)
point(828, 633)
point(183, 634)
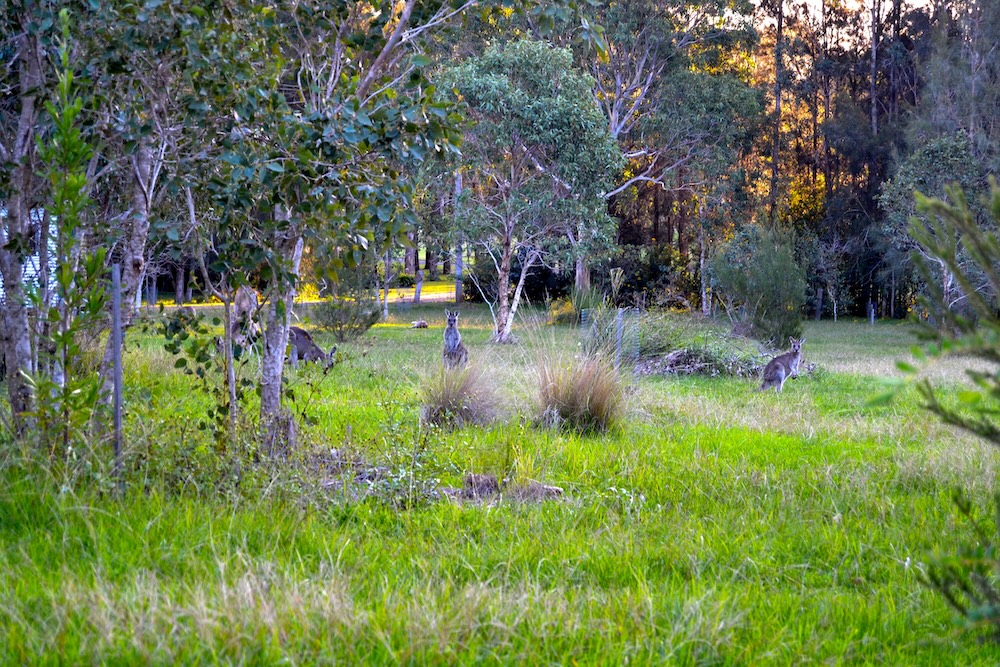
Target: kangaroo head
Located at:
point(452, 318)
point(796, 344)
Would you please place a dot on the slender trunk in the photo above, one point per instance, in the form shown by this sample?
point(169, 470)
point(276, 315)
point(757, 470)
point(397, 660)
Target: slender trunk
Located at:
point(505, 334)
point(459, 247)
point(828, 180)
point(179, 292)
point(419, 286)
point(582, 281)
point(15, 226)
point(388, 277)
point(503, 284)
point(775, 150)
point(279, 313)
point(133, 260)
point(410, 255)
point(706, 295)
point(227, 340)
point(876, 11)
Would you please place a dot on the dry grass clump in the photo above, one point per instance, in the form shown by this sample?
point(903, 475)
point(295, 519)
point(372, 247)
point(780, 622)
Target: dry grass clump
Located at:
point(584, 393)
point(459, 397)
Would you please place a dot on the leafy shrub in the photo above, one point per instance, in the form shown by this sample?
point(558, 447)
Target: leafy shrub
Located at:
point(406, 280)
point(684, 345)
point(457, 397)
point(354, 309)
point(347, 318)
point(583, 393)
point(969, 578)
point(761, 286)
point(561, 311)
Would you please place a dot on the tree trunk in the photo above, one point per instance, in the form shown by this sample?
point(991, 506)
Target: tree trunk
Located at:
point(706, 294)
point(410, 255)
point(179, 291)
point(876, 15)
point(776, 148)
point(503, 284)
point(16, 226)
point(133, 260)
point(459, 247)
point(418, 286)
point(273, 422)
point(505, 336)
point(582, 281)
point(388, 277)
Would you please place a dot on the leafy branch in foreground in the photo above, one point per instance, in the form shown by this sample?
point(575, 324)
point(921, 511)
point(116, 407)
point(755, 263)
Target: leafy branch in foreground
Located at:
point(967, 256)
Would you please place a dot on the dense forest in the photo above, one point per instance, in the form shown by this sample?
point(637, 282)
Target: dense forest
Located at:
point(686, 155)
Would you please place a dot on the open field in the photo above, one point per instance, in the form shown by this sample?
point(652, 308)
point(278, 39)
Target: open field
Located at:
point(716, 526)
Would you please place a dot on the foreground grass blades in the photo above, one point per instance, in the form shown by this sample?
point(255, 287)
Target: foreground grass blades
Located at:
point(715, 526)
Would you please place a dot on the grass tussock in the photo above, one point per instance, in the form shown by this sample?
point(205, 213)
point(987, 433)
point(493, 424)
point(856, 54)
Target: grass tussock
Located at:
point(459, 397)
point(584, 393)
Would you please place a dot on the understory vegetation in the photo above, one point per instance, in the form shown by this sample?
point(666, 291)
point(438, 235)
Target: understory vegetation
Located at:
point(714, 525)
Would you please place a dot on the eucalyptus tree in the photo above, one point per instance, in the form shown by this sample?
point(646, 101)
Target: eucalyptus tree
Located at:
point(25, 79)
point(538, 157)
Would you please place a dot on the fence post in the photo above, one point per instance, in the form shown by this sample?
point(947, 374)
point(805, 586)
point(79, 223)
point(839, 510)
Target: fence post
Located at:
point(116, 344)
point(619, 333)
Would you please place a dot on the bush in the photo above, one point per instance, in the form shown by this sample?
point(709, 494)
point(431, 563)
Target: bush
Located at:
point(458, 397)
point(561, 311)
point(347, 318)
point(584, 393)
point(760, 284)
point(967, 578)
point(354, 308)
point(406, 280)
point(682, 345)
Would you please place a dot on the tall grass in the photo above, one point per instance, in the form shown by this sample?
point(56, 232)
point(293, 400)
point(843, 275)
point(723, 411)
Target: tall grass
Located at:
point(584, 392)
point(725, 527)
point(459, 397)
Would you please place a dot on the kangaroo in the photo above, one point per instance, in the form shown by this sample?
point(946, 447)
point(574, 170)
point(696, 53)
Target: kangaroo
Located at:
point(783, 367)
point(419, 324)
point(455, 355)
point(305, 348)
point(245, 316)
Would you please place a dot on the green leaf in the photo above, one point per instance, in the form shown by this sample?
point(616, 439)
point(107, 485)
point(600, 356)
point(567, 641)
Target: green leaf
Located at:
point(180, 363)
point(906, 367)
point(970, 397)
point(881, 399)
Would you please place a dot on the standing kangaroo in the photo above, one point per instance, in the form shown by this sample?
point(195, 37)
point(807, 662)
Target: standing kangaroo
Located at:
point(783, 367)
point(455, 355)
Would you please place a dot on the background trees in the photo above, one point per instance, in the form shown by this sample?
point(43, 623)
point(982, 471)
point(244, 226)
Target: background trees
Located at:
point(537, 159)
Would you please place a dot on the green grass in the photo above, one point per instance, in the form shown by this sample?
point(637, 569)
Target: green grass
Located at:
point(717, 525)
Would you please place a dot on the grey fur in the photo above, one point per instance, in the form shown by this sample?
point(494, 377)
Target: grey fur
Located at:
point(454, 355)
point(782, 367)
point(302, 346)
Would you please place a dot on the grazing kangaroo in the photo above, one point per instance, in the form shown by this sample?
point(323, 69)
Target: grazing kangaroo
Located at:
point(455, 355)
point(419, 324)
point(305, 348)
point(783, 367)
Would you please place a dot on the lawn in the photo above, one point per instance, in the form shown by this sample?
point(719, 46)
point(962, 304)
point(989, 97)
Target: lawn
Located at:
point(717, 525)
